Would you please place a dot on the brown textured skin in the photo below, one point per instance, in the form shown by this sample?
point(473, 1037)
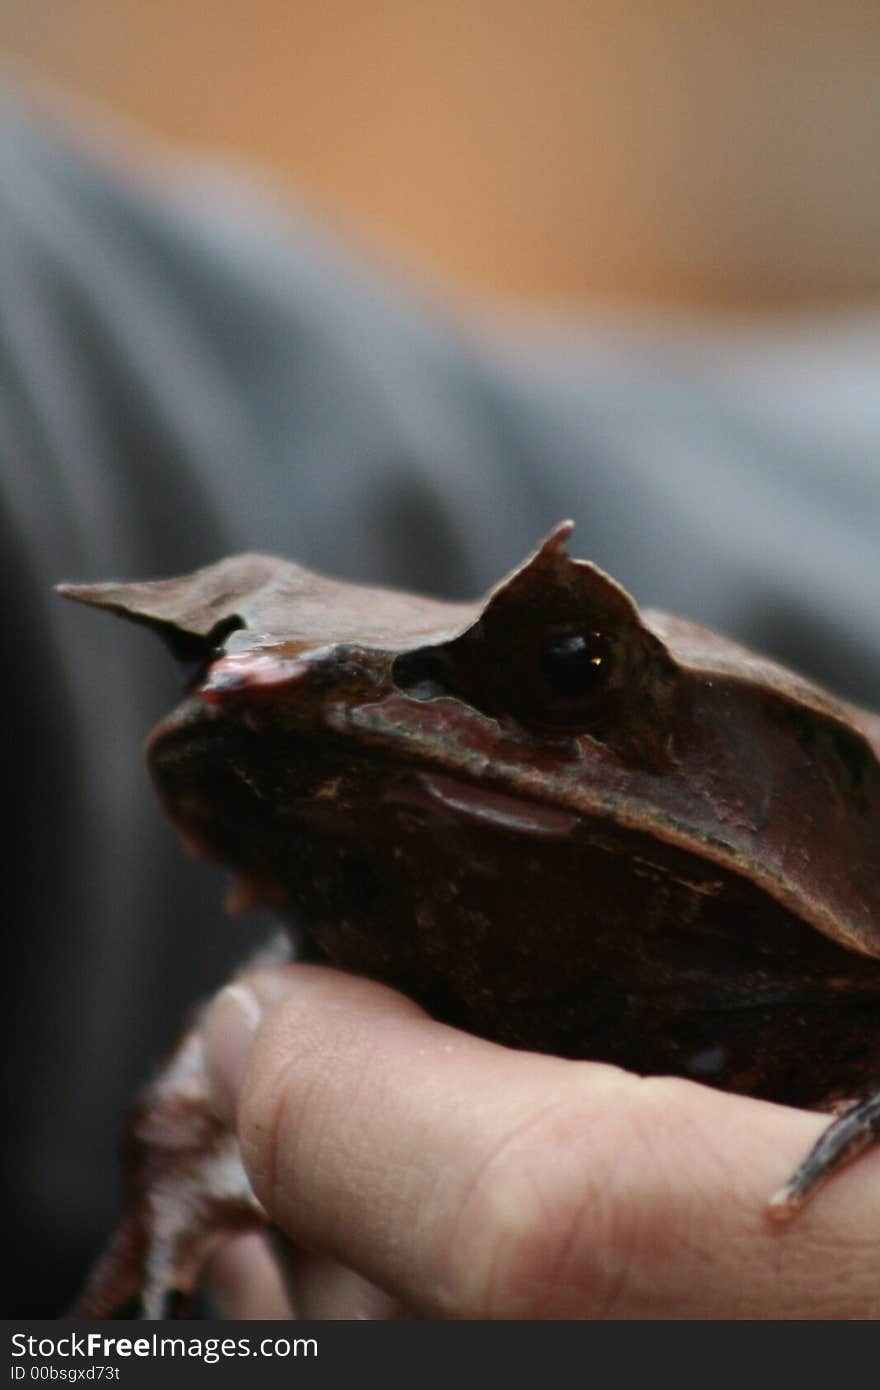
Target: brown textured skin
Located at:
point(677, 872)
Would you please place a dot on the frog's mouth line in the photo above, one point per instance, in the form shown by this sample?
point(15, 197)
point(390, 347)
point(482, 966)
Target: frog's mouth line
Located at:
point(487, 807)
point(192, 743)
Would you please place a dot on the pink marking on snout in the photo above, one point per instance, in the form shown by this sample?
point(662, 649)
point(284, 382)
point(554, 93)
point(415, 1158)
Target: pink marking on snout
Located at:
point(242, 672)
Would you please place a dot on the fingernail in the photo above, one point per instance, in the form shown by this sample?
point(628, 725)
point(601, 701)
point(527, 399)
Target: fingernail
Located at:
point(229, 1032)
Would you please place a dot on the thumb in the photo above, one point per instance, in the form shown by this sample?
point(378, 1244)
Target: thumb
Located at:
point(470, 1180)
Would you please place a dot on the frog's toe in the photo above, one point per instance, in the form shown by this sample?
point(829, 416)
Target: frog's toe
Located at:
point(844, 1139)
point(187, 1192)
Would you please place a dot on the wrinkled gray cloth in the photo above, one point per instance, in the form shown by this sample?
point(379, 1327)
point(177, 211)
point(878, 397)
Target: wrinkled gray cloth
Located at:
point(188, 369)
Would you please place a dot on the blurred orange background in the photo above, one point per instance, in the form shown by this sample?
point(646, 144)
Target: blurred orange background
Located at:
point(560, 152)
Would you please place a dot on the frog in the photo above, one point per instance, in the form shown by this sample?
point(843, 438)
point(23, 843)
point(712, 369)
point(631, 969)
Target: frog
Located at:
point(552, 818)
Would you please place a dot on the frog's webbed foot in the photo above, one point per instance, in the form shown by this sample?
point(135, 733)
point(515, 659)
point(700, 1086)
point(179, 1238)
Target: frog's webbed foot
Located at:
point(844, 1139)
point(186, 1191)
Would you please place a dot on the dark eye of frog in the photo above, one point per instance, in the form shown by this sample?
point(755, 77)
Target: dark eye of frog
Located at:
point(577, 665)
point(563, 678)
point(558, 677)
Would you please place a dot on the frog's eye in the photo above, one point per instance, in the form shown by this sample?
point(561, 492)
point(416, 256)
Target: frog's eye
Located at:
point(558, 651)
point(556, 677)
point(559, 677)
point(577, 665)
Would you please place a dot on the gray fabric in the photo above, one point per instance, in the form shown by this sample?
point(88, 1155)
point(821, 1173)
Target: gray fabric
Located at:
point(188, 369)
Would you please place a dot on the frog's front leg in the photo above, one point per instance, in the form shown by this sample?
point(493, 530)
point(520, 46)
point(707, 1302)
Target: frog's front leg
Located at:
point(186, 1192)
point(845, 1138)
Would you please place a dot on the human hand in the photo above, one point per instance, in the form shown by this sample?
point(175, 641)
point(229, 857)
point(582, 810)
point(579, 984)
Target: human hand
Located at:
point(419, 1171)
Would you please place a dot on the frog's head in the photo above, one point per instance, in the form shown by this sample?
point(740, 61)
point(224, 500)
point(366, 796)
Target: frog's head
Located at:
point(304, 691)
point(557, 650)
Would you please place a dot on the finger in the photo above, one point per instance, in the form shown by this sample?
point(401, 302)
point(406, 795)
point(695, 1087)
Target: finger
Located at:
point(471, 1180)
